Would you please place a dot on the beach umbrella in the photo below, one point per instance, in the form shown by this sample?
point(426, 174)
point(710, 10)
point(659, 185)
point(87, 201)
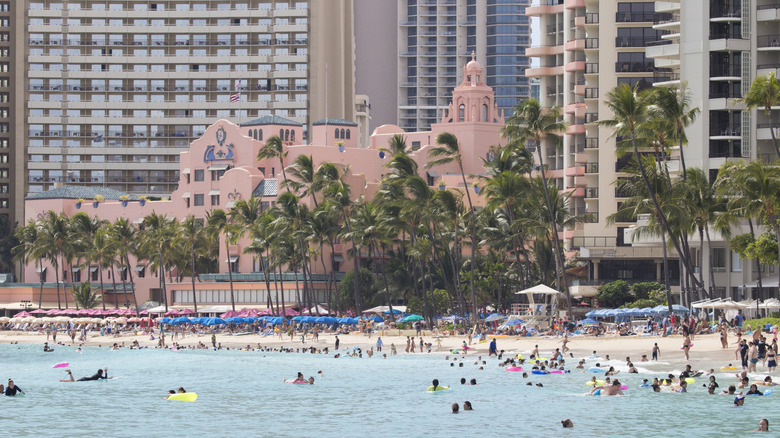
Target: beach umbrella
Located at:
point(22, 315)
point(229, 314)
point(172, 312)
point(375, 319)
point(494, 317)
point(4, 319)
point(213, 321)
point(514, 321)
point(15, 320)
point(395, 311)
point(120, 320)
point(677, 308)
point(180, 320)
point(412, 318)
point(38, 312)
point(184, 312)
point(165, 320)
point(61, 319)
point(589, 321)
point(134, 319)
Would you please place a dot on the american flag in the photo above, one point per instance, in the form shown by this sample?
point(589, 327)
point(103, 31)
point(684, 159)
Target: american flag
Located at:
point(235, 97)
point(238, 84)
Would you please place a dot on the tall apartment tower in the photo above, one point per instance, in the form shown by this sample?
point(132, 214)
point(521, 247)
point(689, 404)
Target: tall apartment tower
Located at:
point(718, 47)
point(11, 113)
point(116, 89)
point(586, 49)
point(434, 37)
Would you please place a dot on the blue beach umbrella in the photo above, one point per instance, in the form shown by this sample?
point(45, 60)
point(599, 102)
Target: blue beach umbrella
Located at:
point(180, 320)
point(376, 319)
point(213, 321)
point(165, 320)
point(395, 311)
point(514, 321)
point(589, 321)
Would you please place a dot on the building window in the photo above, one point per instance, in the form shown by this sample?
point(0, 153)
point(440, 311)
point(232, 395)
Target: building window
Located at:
point(198, 199)
point(199, 175)
point(337, 134)
point(214, 199)
point(93, 273)
point(718, 259)
point(461, 112)
point(484, 113)
point(736, 262)
point(76, 275)
point(140, 271)
point(348, 133)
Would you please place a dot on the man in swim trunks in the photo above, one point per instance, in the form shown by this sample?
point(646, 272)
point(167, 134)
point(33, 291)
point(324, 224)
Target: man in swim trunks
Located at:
point(493, 349)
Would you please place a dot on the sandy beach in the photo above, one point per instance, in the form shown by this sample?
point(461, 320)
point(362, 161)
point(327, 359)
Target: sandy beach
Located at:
point(706, 352)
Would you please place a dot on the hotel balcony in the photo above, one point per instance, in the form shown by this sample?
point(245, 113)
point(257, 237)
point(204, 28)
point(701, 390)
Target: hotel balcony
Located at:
point(768, 12)
point(575, 66)
point(544, 71)
point(544, 7)
point(591, 168)
point(663, 50)
point(574, 4)
point(579, 192)
point(763, 131)
point(575, 129)
point(544, 50)
point(767, 43)
point(591, 193)
point(575, 171)
point(578, 44)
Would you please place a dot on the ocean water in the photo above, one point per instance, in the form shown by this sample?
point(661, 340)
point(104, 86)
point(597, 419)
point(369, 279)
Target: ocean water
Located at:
point(242, 394)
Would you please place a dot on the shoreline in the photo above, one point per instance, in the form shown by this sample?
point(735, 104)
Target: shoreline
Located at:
point(706, 352)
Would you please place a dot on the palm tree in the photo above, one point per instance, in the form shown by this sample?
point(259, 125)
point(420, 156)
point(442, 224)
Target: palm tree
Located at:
point(447, 152)
point(274, 148)
point(32, 246)
point(55, 227)
point(674, 105)
point(101, 251)
point(126, 239)
point(191, 236)
point(629, 110)
point(218, 222)
point(156, 239)
point(764, 93)
point(261, 236)
point(339, 197)
point(85, 297)
point(532, 122)
point(370, 221)
point(754, 189)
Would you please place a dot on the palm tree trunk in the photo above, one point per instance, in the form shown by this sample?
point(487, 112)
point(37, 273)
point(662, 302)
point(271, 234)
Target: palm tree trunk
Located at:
point(682, 154)
point(701, 259)
point(686, 261)
point(559, 262)
point(269, 304)
point(667, 281)
point(387, 284)
point(192, 276)
point(230, 273)
point(65, 280)
point(772, 133)
point(281, 310)
point(709, 248)
point(760, 283)
point(57, 280)
point(474, 244)
point(132, 282)
point(39, 264)
point(161, 270)
point(102, 289)
point(113, 283)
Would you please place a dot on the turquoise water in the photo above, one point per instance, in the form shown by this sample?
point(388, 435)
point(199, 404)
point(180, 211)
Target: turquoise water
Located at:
point(242, 394)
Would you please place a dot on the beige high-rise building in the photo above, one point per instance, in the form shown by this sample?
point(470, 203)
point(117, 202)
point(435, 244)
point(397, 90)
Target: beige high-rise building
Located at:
point(114, 90)
point(11, 111)
point(587, 48)
point(717, 47)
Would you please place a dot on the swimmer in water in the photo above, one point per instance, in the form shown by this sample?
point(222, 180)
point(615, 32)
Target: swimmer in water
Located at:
point(763, 426)
point(467, 406)
point(100, 375)
point(170, 393)
point(455, 408)
point(435, 385)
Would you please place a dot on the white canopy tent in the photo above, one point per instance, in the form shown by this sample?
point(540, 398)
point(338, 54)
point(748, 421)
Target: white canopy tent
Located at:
point(539, 289)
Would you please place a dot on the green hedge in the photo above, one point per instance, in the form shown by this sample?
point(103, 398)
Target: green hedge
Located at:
point(756, 323)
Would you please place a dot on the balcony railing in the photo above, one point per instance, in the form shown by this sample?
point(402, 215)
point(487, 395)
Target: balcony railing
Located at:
point(634, 67)
point(592, 143)
point(591, 192)
point(623, 41)
point(591, 68)
point(726, 130)
point(591, 93)
point(720, 10)
point(641, 17)
point(768, 41)
point(591, 167)
point(728, 35)
point(591, 117)
point(591, 43)
point(591, 217)
point(592, 18)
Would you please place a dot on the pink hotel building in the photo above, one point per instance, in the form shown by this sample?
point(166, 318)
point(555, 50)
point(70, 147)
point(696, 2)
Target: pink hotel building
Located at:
point(220, 168)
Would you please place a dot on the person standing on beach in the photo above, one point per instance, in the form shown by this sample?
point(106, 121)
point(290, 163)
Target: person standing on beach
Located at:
point(743, 352)
point(337, 342)
point(493, 349)
point(422, 344)
point(753, 357)
point(411, 346)
point(214, 340)
point(408, 341)
point(379, 344)
point(656, 351)
point(686, 344)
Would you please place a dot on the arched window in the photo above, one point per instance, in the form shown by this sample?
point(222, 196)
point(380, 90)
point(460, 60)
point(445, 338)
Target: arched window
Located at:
point(286, 135)
point(348, 134)
point(342, 133)
point(260, 134)
point(281, 134)
point(484, 113)
point(292, 135)
point(254, 134)
point(337, 133)
point(461, 112)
